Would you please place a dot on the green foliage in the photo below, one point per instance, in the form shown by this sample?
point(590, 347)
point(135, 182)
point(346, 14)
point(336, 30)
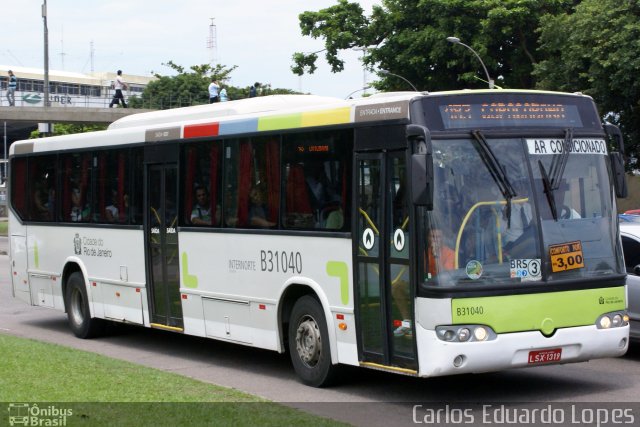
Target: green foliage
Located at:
point(183, 89)
point(408, 37)
point(595, 49)
point(70, 128)
point(191, 87)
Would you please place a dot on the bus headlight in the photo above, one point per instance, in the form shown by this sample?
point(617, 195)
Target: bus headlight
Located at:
point(480, 333)
point(465, 333)
point(614, 319)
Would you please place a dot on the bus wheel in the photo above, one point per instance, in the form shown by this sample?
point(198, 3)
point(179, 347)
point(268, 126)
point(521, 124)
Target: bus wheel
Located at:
point(309, 343)
point(82, 325)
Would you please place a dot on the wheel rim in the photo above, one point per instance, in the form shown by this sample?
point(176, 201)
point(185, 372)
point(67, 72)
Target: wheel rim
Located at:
point(308, 341)
point(77, 307)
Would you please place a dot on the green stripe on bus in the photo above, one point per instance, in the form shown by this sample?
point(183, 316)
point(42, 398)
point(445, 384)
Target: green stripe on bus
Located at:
point(334, 116)
point(340, 270)
point(36, 255)
point(288, 121)
point(188, 280)
point(545, 311)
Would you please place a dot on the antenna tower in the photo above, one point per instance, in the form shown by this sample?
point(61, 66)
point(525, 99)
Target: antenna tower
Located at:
point(91, 54)
point(62, 52)
point(212, 43)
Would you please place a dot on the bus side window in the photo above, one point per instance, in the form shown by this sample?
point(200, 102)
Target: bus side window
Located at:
point(42, 181)
point(112, 188)
point(18, 184)
point(77, 192)
point(202, 179)
point(316, 180)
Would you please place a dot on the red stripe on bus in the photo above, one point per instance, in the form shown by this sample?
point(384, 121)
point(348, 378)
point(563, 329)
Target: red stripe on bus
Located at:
point(197, 131)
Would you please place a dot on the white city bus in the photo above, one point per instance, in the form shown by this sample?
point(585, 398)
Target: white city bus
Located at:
point(420, 233)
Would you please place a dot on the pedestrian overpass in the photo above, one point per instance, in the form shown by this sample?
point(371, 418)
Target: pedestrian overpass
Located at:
point(21, 121)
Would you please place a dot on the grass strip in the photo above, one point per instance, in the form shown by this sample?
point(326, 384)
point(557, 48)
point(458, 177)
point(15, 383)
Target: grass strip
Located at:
point(99, 390)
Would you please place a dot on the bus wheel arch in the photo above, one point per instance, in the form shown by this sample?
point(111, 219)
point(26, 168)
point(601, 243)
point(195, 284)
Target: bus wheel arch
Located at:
point(76, 301)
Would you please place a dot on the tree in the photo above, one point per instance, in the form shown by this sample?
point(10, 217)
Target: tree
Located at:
point(69, 128)
point(595, 49)
point(184, 89)
point(191, 87)
point(408, 37)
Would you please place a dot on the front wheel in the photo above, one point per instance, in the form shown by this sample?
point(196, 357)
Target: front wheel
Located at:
point(80, 321)
point(309, 343)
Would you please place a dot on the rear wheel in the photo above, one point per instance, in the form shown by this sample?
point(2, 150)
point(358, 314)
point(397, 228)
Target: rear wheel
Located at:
point(309, 343)
point(80, 321)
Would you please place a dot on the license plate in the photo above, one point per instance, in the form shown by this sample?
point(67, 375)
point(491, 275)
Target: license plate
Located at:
point(566, 256)
point(545, 356)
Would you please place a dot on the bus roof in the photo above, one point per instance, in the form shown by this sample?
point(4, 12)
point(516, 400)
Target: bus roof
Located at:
point(251, 115)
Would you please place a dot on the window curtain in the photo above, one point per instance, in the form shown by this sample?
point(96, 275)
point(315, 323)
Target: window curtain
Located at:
point(66, 189)
point(189, 190)
point(86, 177)
point(244, 183)
point(122, 209)
point(213, 180)
point(104, 195)
point(297, 194)
point(273, 179)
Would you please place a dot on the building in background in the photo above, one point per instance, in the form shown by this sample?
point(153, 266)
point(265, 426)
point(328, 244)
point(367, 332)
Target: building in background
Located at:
point(66, 88)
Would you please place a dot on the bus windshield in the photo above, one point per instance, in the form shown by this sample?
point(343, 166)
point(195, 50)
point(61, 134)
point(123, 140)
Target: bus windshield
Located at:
point(492, 222)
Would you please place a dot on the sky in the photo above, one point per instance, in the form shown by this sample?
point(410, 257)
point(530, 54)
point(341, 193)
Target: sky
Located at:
point(138, 36)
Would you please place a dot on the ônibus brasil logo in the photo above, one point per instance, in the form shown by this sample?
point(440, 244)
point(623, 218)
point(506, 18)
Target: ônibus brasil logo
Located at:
point(26, 414)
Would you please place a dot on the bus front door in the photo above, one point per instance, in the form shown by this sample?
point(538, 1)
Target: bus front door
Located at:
point(162, 238)
point(384, 292)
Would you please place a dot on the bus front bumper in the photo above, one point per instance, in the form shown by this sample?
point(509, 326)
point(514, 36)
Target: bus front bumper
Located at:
point(518, 350)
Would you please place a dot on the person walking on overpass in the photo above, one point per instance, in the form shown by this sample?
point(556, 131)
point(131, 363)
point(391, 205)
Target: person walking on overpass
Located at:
point(11, 89)
point(118, 85)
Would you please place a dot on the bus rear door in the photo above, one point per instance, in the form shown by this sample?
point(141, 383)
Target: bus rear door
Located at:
point(162, 237)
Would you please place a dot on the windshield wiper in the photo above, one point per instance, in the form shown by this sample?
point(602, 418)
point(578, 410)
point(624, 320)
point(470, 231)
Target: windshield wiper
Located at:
point(551, 180)
point(496, 170)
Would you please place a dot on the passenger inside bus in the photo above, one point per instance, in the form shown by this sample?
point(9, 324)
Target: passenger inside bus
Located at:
point(318, 185)
point(257, 209)
point(79, 212)
point(201, 212)
point(43, 201)
point(112, 212)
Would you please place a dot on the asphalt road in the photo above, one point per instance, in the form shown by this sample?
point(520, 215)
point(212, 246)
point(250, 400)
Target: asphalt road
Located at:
point(363, 397)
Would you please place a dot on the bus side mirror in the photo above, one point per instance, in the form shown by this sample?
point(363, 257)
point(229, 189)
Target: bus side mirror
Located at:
point(617, 161)
point(421, 166)
point(619, 177)
point(422, 180)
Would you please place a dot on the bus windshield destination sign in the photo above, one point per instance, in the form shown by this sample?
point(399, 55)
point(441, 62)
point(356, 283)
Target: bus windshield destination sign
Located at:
point(472, 115)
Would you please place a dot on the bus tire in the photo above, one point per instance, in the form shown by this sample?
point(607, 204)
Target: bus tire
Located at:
point(309, 343)
point(80, 321)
